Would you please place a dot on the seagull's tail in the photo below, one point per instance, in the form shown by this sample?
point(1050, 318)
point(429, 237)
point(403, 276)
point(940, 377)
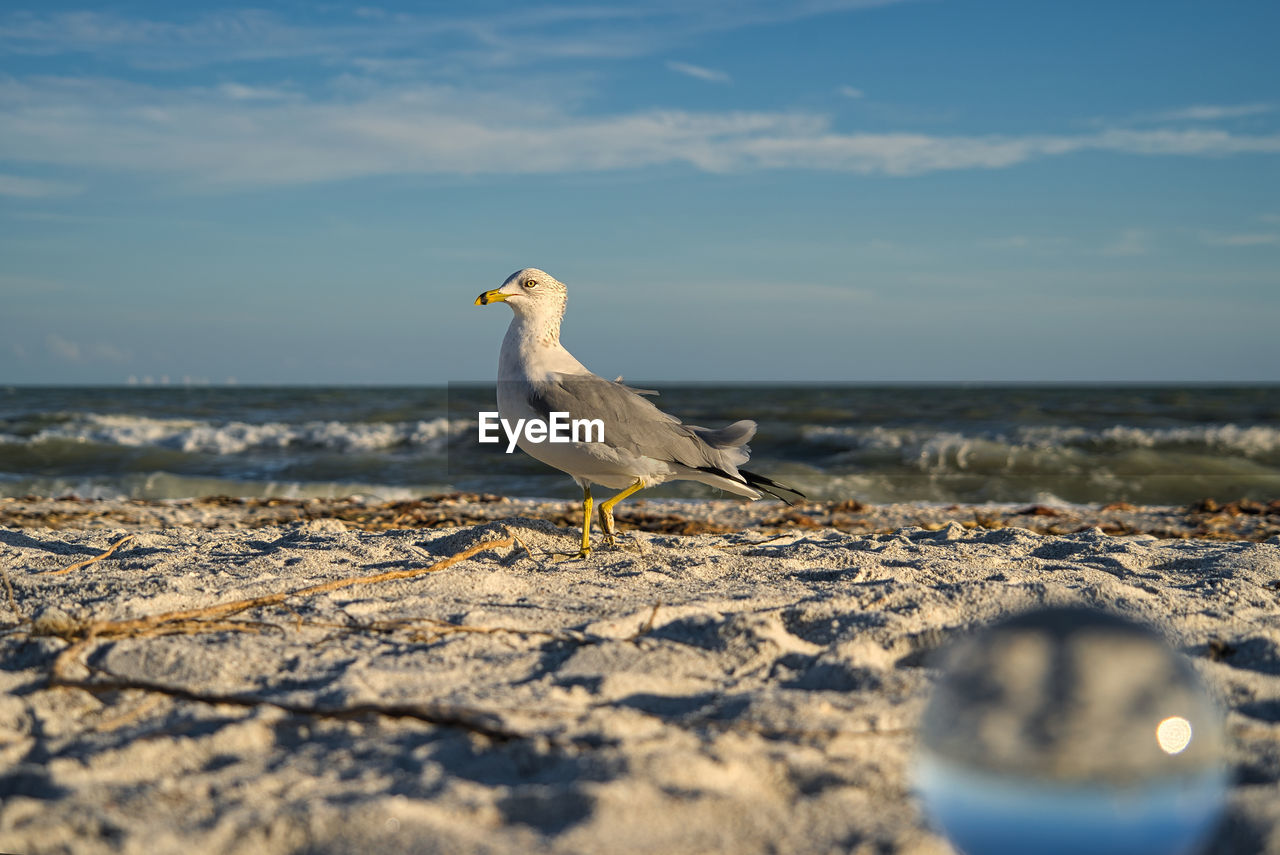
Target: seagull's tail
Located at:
point(731, 445)
point(790, 495)
point(734, 436)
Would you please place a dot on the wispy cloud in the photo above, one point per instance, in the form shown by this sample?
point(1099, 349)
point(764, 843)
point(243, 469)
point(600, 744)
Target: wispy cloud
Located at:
point(520, 36)
point(62, 348)
point(203, 137)
point(708, 74)
point(1211, 112)
point(66, 350)
point(1130, 242)
point(240, 92)
point(219, 37)
point(914, 154)
point(488, 101)
point(1191, 114)
point(35, 188)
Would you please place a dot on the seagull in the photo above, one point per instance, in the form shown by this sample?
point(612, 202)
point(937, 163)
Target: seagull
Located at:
point(641, 446)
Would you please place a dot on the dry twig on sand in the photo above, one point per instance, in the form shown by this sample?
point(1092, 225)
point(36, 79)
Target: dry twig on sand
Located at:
point(80, 565)
point(193, 619)
point(476, 721)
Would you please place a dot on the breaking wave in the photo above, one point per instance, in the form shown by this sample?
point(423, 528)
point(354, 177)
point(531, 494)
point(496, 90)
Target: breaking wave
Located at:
point(929, 448)
point(235, 437)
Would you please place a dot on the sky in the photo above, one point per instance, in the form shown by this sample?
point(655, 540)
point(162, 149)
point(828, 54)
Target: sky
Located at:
point(857, 191)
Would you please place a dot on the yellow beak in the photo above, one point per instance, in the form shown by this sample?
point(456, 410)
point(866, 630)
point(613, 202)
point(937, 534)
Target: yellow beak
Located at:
point(494, 296)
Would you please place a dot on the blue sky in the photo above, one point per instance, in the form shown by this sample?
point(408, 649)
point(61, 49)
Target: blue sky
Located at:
point(922, 190)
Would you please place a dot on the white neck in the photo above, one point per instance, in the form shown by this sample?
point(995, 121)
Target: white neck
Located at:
point(535, 344)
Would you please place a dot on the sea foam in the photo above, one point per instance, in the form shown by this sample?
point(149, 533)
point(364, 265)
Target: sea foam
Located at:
point(234, 437)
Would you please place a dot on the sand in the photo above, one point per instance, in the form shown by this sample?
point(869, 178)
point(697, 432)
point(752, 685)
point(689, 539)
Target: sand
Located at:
point(1206, 520)
point(749, 691)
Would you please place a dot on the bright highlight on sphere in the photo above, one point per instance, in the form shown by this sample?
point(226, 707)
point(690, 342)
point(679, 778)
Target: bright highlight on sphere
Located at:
point(1173, 734)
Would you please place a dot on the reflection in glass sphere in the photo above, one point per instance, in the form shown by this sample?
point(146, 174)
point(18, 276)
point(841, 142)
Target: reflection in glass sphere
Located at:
point(1067, 730)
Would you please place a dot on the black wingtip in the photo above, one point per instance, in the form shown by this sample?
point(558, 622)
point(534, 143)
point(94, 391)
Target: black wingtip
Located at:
point(773, 488)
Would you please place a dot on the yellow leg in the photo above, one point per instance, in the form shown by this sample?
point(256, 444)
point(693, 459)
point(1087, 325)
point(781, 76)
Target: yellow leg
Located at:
point(606, 509)
point(586, 522)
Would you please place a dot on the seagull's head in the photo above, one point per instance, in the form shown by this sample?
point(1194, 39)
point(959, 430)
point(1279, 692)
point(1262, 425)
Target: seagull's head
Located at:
point(531, 293)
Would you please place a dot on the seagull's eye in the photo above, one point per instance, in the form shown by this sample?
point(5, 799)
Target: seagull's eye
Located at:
point(530, 284)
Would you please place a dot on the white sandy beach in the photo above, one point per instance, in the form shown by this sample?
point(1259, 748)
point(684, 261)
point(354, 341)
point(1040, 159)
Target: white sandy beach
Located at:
point(745, 692)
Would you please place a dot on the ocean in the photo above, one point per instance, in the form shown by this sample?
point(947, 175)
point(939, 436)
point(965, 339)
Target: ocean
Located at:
point(875, 444)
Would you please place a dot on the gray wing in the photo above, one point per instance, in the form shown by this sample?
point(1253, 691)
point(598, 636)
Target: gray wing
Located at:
point(633, 424)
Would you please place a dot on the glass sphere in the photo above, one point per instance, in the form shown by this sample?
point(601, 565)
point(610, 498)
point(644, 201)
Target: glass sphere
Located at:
point(1069, 730)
